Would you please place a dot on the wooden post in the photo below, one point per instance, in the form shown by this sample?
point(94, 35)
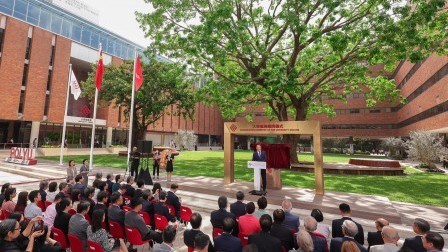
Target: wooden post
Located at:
point(318, 161)
point(229, 168)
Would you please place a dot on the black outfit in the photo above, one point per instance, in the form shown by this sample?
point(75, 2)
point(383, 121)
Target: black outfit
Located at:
point(228, 243)
point(320, 243)
point(336, 244)
point(61, 222)
point(129, 191)
point(189, 236)
point(17, 245)
point(116, 214)
point(155, 164)
point(109, 186)
point(162, 209)
point(148, 207)
point(92, 206)
point(101, 206)
point(414, 243)
point(265, 242)
point(284, 234)
point(374, 238)
point(137, 193)
point(173, 200)
point(238, 208)
point(43, 195)
point(135, 158)
point(336, 227)
point(217, 217)
point(80, 187)
point(261, 157)
point(169, 163)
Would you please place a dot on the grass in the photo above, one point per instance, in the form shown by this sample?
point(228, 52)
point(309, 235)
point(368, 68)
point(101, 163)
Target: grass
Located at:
point(415, 187)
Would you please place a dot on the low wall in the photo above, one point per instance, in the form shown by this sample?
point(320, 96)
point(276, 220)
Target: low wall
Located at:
point(69, 151)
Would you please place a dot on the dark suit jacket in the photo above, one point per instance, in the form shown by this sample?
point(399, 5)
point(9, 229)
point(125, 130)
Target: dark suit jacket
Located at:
point(374, 238)
point(261, 157)
point(148, 207)
point(336, 244)
point(116, 214)
point(129, 191)
point(414, 243)
point(173, 200)
point(189, 236)
point(320, 243)
point(284, 234)
point(80, 187)
point(61, 222)
point(161, 209)
point(109, 186)
point(336, 227)
point(100, 206)
point(228, 243)
point(238, 208)
point(218, 216)
point(265, 242)
point(138, 193)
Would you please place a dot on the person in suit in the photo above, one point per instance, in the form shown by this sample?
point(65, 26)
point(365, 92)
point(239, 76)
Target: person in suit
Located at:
point(78, 224)
point(169, 236)
point(375, 238)
point(390, 237)
point(281, 231)
point(102, 199)
point(140, 187)
point(291, 220)
point(264, 241)
point(129, 188)
point(249, 224)
point(190, 234)
point(173, 200)
point(226, 242)
point(433, 241)
point(79, 180)
point(238, 208)
point(319, 243)
point(147, 205)
point(114, 213)
point(110, 182)
point(337, 224)
point(349, 231)
point(421, 227)
point(116, 185)
point(88, 196)
point(260, 155)
point(134, 220)
point(161, 209)
point(217, 217)
point(201, 243)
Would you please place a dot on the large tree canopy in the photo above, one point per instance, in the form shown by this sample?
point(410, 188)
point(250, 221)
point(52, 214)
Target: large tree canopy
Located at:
point(164, 84)
point(286, 55)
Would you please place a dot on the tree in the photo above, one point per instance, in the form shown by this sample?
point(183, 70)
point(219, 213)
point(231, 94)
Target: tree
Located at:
point(185, 139)
point(164, 85)
point(395, 147)
point(426, 147)
point(287, 55)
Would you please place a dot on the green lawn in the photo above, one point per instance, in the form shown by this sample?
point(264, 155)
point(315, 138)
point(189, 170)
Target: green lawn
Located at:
point(415, 187)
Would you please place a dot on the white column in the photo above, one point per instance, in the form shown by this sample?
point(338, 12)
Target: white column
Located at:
point(109, 136)
point(34, 132)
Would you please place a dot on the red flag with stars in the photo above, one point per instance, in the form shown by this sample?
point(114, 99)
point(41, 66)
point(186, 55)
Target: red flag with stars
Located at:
point(138, 74)
point(99, 71)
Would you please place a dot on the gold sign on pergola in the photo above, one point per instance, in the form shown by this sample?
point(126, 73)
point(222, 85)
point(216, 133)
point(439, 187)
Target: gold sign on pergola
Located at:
point(273, 128)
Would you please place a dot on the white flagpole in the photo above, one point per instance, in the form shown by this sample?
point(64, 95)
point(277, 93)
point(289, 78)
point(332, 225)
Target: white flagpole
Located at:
point(131, 119)
point(61, 156)
point(92, 140)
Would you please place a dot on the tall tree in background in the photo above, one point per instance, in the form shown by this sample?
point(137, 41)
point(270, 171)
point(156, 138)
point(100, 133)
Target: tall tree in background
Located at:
point(286, 55)
point(164, 84)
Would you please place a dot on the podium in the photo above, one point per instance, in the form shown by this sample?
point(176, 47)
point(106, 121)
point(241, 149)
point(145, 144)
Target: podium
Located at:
point(257, 166)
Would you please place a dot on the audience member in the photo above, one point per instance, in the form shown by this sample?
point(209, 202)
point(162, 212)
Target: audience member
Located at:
point(336, 225)
point(433, 242)
point(2, 195)
point(32, 210)
point(22, 201)
point(319, 242)
point(96, 186)
point(50, 212)
point(64, 188)
point(304, 241)
point(291, 220)
point(79, 180)
point(190, 234)
point(281, 231)
point(134, 220)
point(75, 196)
point(264, 240)
point(226, 242)
point(349, 231)
point(250, 248)
point(421, 227)
point(140, 187)
point(218, 216)
point(173, 200)
point(88, 196)
point(62, 218)
point(156, 189)
point(262, 203)
point(78, 224)
point(52, 187)
point(169, 236)
point(129, 187)
point(110, 182)
point(238, 208)
point(375, 238)
point(390, 238)
point(8, 204)
point(350, 246)
point(116, 185)
point(161, 209)
point(201, 243)
point(114, 212)
point(147, 205)
point(98, 234)
point(43, 186)
point(322, 228)
point(102, 199)
point(11, 239)
point(249, 224)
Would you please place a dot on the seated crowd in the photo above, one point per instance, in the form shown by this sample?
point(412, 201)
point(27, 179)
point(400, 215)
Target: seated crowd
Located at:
point(118, 215)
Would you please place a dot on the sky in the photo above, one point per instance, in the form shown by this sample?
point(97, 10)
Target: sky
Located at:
point(118, 17)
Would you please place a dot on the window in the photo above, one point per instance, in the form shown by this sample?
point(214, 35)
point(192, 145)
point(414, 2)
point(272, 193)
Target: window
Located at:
point(52, 55)
point(45, 20)
point(94, 40)
point(375, 111)
point(354, 111)
point(20, 9)
point(22, 101)
point(33, 14)
point(110, 46)
point(85, 39)
point(50, 74)
point(76, 32)
point(24, 76)
point(66, 28)
point(6, 6)
point(28, 49)
point(2, 35)
point(56, 24)
point(47, 104)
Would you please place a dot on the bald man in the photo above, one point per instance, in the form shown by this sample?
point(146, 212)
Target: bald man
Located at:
point(390, 237)
point(375, 238)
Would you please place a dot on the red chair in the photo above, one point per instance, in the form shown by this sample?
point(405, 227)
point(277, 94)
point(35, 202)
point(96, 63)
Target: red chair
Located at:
point(75, 244)
point(72, 211)
point(126, 198)
point(104, 225)
point(283, 249)
point(41, 205)
point(94, 247)
point(185, 214)
point(190, 249)
point(145, 217)
point(160, 222)
point(116, 230)
point(88, 219)
point(5, 214)
point(60, 237)
point(126, 209)
point(244, 239)
point(217, 232)
point(134, 237)
point(171, 208)
point(47, 203)
point(1, 215)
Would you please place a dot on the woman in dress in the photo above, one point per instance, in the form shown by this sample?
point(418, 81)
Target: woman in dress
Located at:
point(84, 171)
point(9, 205)
point(71, 170)
point(96, 233)
point(169, 165)
point(21, 202)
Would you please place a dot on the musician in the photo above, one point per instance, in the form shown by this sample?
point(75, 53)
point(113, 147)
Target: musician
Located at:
point(169, 165)
point(260, 155)
point(155, 163)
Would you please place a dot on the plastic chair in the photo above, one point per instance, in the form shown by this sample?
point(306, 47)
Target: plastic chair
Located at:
point(47, 203)
point(244, 239)
point(60, 237)
point(134, 236)
point(217, 232)
point(72, 211)
point(185, 214)
point(160, 222)
point(94, 247)
point(75, 244)
point(116, 230)
point(5, 214)
point(171, 208)
point(88, 219)
point(1, 215)
point(145, 217)
point(190, 249)
point(41, 205)
point(126, 209)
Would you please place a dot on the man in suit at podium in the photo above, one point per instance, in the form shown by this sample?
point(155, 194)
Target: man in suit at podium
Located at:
point(260, 155)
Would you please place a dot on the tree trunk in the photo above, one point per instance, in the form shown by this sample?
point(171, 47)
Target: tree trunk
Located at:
point(292, 140)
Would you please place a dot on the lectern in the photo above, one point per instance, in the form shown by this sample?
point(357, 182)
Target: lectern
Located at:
point(257, 166)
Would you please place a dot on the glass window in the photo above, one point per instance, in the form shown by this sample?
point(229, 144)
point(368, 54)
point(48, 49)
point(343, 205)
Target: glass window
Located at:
point(86, 36)
point(66, 28)
point(118, 49)
point(28, 49)
point(76, 32)
point(2, 34)
point(94, 40)
point(56, 24)
point(45, 20)
point(110, 46)
point(22, 101)
point(52, 56)
point(130, 53)
point(47, 104)
point(6, 6)
point(25, 76)
point(103, 42)
point(50, 73)
point(20, 9)
point(33, 14)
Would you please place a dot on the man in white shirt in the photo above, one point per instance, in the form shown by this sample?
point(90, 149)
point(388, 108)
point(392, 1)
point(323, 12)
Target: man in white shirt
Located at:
point(390, 237)
point(50, 212)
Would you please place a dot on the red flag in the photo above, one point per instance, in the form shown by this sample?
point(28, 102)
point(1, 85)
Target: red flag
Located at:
point(99, 71)
point(138, 74)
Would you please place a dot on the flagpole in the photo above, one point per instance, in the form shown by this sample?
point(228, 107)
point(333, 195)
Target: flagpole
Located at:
point(92, 137)
point(131, 119)
point(61, 156)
